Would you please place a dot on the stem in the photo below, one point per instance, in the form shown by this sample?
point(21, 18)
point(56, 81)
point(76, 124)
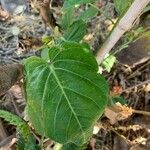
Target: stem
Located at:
point(124, 25)
point(141, 112)
point(42, 143)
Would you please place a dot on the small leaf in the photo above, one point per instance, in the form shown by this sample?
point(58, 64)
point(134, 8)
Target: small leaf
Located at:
point(89, 13)
point(26, 139)
point(14, 120)
point(76, 31)
point(119, 99)
point(48, 40)
point(28, 144)
point(112, 100)
point(72, 3)
point(74, 45)
point(109, 62)
point(68, 93)
point(147, 8)
point(122, 6)
point(45, 53)
point(67, 19)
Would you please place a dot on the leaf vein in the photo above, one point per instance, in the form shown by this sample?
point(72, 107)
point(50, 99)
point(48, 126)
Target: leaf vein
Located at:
point(83, 96)
point(71, 60)
point(66, 97)
point(55, 116)
point(71, 72)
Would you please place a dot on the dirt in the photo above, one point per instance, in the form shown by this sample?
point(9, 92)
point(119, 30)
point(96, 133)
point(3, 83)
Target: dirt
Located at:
point(20, 38)
point(133, 86)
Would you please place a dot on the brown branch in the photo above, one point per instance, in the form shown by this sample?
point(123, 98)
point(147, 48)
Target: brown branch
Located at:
point(9, 74)
point(141, 112)
point(47, 14)
point(124, 25)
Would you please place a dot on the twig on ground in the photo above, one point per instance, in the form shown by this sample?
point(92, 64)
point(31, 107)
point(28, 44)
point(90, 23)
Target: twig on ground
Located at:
point(120, 135)
point(141, 112)
point(138, 69)
point(124, 25)
point(137, 85)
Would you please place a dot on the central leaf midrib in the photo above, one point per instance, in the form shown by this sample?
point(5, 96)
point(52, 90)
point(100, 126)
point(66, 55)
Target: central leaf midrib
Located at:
point(65, 95)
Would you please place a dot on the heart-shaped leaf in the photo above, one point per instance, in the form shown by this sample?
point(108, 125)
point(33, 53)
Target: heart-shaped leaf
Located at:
point(65, 96)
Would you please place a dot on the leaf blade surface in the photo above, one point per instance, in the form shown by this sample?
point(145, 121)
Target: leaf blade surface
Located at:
point(66, 96)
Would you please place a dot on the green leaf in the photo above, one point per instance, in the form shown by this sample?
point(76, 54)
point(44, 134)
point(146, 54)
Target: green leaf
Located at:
point(67, 18)
point(89, 13)
point(72, 146)
point(109, 62)
point(74, 45)
point(27, 144)
point(112, 100)
point(121, 6)
point(66, 96)
point(147, 8)
point(48, 40)
point(72, 3)
point(16, 121)
point(76, 31)
point(44, 53)
point(26, 139)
